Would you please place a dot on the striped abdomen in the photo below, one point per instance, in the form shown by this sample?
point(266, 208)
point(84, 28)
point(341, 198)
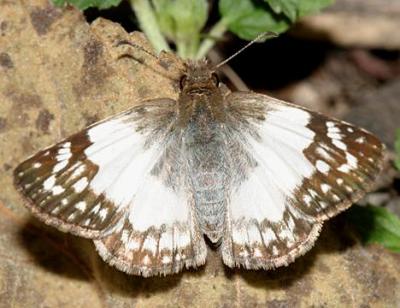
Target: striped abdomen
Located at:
point(209, 194)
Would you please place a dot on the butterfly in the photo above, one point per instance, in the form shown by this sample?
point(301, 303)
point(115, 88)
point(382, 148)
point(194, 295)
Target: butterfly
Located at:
point(255, 175)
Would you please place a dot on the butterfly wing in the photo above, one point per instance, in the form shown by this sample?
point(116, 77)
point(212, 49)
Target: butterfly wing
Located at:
point(120, 180)
point(160, 235)
point(84, 183)
point(306, 168)
point(164, 245)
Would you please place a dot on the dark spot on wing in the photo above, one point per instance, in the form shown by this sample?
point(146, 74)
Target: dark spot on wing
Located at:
point(43, 120)
point(3, 124)
point(5, 60)
point(43, 18)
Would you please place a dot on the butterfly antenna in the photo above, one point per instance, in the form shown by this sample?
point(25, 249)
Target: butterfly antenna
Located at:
point(124, 42)
point(260, 37)
point(141, 61)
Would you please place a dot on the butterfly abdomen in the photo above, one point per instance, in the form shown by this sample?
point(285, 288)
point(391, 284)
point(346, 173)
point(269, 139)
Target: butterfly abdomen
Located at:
point(208, 177)
point(210, 204)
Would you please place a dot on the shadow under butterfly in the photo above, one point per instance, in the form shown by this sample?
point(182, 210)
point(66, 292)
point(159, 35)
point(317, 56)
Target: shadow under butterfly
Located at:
point(258, 176)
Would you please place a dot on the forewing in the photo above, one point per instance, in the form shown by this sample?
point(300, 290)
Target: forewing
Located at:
point(85, 183)
point(305, 168)
point(123, 183)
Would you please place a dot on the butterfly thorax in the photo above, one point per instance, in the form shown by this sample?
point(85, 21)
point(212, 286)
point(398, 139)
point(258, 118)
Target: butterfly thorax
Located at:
point(200, 100)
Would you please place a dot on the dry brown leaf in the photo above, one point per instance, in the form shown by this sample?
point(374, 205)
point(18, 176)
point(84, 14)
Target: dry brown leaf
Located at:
point(58, 74)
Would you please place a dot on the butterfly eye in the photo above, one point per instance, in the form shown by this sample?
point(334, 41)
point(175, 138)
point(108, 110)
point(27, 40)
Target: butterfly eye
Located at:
point(215, 78)
point(182, 81)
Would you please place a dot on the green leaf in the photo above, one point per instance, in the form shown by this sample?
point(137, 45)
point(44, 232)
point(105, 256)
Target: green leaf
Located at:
point(250, 26)
point(308, 7)
point(276, 5)
point(376, 225)
point(84, 4)
point(232, 10)
point(287, 7)
point(294, 9)
point(397, 149)
point(247, 20)
point(182, 21)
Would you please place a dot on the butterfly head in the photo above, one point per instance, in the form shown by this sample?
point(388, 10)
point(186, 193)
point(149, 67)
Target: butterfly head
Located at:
point(200, 99)
point(199, 78)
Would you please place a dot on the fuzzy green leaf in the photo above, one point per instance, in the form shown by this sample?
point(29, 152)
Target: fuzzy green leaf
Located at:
point(397, 149)
point(250, 26)
point(276, 5)
point(294, 9)
point(182, 21)
point(308, 7)
point(85, 4)
point(287, 7)
point(376, 225)
point(232, 10)
point(247, 20)
point(181, 17)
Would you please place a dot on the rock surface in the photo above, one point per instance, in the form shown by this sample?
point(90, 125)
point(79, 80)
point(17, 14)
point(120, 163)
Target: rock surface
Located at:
point(380, 111)
point(59, 74)
point(356, 23)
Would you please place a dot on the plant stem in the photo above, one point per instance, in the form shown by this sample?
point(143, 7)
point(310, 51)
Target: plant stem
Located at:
point(187, 48)
point(149, 25)
point(216, 32)
point(181, 49)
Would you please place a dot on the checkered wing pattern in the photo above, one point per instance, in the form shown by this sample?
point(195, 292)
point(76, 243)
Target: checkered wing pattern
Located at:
point(305, 169)
point(109, 183)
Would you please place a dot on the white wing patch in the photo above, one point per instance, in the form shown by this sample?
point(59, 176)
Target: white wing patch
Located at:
point(281, 165)
point(155, 204)
point(85, 183)
point(257, 191)
point(276, 212)
point(120, 178)
point(159, 235)
point(123, 163)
